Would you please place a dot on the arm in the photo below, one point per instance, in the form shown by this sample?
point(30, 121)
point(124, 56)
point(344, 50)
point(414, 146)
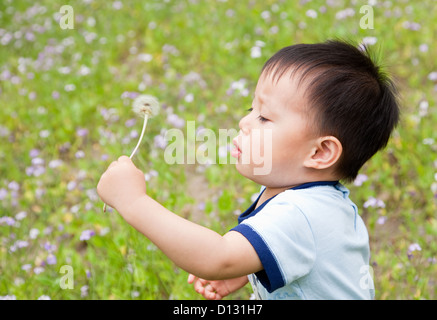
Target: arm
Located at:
point(194, 248)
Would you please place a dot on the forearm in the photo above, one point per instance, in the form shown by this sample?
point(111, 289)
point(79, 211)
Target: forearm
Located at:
point(194, 248)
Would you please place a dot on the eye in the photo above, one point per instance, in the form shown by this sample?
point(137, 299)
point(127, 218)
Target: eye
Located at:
point(262, 119)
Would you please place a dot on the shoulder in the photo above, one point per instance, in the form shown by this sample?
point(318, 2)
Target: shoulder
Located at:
point(282, 211)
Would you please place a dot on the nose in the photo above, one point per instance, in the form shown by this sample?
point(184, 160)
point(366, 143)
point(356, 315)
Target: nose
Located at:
point(244, 124)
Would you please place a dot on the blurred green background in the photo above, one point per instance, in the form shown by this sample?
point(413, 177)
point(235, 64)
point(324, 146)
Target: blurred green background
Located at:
point(65, 98)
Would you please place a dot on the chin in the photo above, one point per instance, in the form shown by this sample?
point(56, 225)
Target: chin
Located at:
point(249, 172)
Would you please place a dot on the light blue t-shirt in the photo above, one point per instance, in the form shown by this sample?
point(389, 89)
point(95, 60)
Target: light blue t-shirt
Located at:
point(312, 244)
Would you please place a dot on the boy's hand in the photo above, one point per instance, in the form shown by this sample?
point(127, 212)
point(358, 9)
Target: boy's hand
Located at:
point(217, 289)
point(121, 184)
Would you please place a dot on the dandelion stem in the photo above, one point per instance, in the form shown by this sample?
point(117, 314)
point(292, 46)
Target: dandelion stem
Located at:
point(144, 105)
point(141, 136)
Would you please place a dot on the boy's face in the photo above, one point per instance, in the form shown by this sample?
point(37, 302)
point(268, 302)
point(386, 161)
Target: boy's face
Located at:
point(275, 137)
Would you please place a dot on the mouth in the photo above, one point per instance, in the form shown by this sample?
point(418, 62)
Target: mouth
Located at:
point(236, 152)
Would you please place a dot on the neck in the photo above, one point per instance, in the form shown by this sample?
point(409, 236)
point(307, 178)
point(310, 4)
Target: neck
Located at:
point(270, 192)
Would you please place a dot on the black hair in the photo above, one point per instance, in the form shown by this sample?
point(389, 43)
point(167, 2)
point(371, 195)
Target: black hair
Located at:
point(349, 95)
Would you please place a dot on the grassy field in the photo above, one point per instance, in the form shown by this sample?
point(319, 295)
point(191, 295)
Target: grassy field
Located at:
point(65, 114)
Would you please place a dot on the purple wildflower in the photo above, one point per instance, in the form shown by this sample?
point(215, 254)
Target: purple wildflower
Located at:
point(29, 36)
point(175, 120)
point(360, 179)
point(413, 26)
point(49, 247)
point(433, 76)
point(37, 161)
point(133, 134)
point(32, 95)
point(117, 5)
point(38, 270)
point(79, 154)
point(412, 248)
point(3, 193)
point(33, 233)
point(160, 141)
point(13, 186)
point(82, 132)
point(34, 153)
point(71, 185)
point(129, 95)
point(381, 220)
point(374, 203)
point(130, 123)
point(55, 163)
point(21, 215)
point(37, 168)
point(55, 95)
point(7, 220)
point(84, 291)
point(86, 235)
point(26, 267)
point(51, 259)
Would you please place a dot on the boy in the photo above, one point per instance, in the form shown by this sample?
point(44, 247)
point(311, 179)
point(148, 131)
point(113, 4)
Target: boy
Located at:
point(324, 109)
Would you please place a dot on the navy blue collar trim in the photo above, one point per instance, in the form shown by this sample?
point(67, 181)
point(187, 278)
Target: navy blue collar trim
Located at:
point(251, 211)
point(314, 184)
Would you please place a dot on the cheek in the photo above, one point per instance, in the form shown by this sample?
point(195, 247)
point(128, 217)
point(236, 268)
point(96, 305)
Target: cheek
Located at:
point(290, 150)
point(257, 141)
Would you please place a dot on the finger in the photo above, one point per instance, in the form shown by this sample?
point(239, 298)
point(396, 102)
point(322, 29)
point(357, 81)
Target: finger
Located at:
point(191, 278)
point(218, 296)
point(124, 158)
point(209, 289)
point(198, 286)
point(210, 293)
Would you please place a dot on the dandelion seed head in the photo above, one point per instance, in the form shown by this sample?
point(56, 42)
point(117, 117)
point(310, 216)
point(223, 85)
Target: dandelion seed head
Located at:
point(146, 105)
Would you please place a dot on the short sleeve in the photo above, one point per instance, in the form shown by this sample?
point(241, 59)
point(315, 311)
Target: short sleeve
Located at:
point(282, 237)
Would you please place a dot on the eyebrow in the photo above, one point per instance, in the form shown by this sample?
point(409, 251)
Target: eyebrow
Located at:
point(260, 99)
point(265, 107)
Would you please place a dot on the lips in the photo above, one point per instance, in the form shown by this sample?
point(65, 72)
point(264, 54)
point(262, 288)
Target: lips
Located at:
point(236, 152)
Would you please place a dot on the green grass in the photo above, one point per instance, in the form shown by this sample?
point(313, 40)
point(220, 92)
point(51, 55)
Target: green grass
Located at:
point(55, 82)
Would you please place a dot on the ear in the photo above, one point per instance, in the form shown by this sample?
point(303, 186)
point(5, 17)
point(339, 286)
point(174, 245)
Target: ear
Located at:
point(325, 153)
